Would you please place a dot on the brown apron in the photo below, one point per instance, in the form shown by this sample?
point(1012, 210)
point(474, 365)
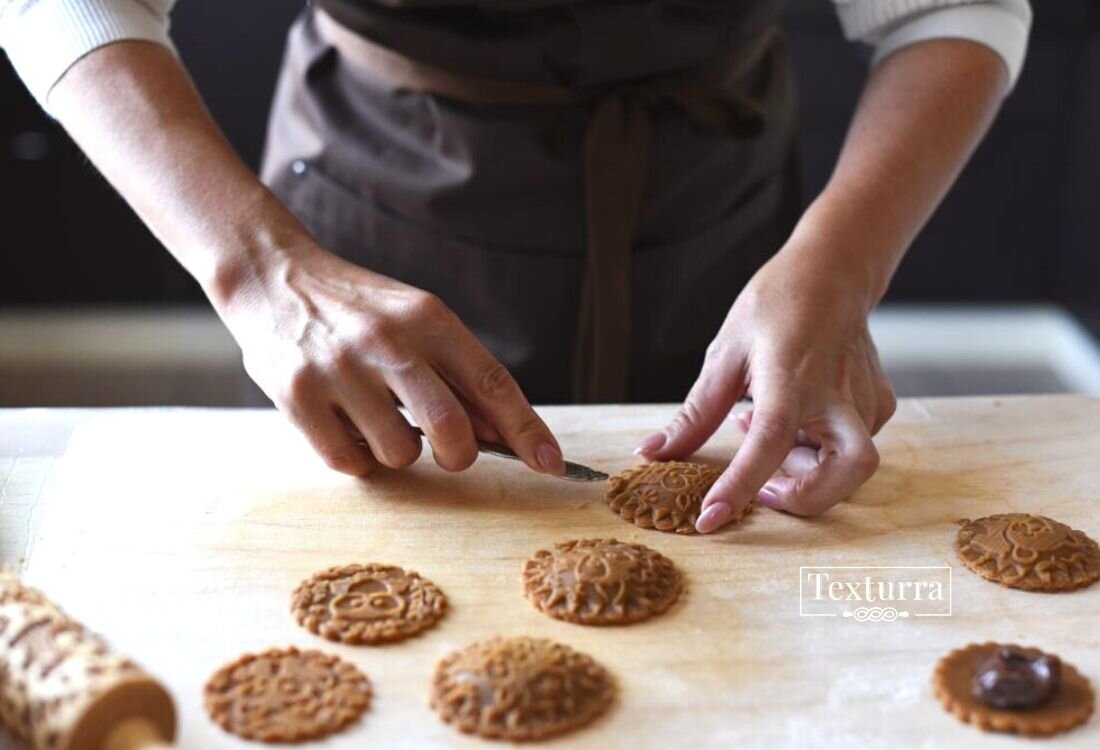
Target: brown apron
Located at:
point(588, 185)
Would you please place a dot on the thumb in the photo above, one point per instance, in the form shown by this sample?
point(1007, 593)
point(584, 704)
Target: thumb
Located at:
point(717, 389)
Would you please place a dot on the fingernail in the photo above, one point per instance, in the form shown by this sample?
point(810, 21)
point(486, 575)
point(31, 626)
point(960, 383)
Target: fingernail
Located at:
point(652, 443)
point(768, 496)
point(713, 517)
point(550, 459)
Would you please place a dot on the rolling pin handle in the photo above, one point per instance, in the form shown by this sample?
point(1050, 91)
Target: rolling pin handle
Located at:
point(137, 734)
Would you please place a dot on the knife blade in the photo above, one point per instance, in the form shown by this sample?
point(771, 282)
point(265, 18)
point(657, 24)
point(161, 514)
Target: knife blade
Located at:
point(574, 472)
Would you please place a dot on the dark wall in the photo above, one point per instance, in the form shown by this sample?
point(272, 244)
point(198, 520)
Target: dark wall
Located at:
point(66, 236)
point(1022, 224)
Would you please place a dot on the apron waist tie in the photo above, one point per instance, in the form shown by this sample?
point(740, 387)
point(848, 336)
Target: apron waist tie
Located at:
point(616, 153)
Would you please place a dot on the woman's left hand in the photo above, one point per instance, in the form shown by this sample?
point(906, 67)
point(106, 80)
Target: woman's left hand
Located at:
point(796, 341)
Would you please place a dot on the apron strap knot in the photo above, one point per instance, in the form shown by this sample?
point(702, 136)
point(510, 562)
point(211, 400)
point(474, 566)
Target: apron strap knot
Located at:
point(616, 155)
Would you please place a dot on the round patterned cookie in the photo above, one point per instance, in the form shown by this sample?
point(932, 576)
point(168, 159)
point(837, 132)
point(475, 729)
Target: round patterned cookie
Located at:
point(953, 683)
point(601, 582)
point(663, 495)
point(367, 603)
point(1029, 552)
point(286, 695)
point(519, 689)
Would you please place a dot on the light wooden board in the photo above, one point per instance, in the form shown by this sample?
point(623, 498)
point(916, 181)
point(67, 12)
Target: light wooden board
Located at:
point(180, 535)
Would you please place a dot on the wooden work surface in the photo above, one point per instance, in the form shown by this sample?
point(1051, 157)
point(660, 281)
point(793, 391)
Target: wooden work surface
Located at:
point(180, 535)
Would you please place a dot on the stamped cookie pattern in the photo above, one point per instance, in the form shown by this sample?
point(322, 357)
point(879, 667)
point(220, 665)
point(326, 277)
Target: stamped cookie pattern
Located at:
point(1030, 552)
point(663, 495)
point(519, 689)
point(1008, 688)
point(601, 581)
point(286, 695)
point(373, 603)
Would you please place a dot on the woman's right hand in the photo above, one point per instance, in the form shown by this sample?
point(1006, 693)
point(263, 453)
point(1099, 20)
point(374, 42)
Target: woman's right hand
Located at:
point(333, 345)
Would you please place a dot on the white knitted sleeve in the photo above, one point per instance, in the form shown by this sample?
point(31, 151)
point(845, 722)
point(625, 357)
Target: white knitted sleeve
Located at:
point(43, 38)
point(1001, 25)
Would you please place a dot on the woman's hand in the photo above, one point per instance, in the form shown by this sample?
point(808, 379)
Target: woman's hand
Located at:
point(796, 340)
point(333, 345)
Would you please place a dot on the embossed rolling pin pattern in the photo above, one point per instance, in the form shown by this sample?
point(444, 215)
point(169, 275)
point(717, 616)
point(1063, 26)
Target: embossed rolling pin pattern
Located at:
point(63, 688)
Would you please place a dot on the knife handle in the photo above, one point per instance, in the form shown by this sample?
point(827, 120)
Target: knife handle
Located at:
point(495, 449)
point(573, 472)
point(483, 446)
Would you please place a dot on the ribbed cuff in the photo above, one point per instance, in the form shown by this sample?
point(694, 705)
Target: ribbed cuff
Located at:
point(866, 20)
point(1002, 30)
point(45, 38)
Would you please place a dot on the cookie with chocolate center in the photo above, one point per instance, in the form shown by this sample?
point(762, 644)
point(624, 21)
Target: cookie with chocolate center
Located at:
point(519, 689)
point(1029, 552)
point(601, 581)
point(1008, 688)
point(373, 603)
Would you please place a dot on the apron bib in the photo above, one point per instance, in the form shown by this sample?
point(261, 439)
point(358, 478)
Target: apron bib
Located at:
point(490, 203)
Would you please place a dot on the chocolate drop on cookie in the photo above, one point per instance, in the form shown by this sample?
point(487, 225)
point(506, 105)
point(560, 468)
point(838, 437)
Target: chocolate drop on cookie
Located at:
point(1016, 678)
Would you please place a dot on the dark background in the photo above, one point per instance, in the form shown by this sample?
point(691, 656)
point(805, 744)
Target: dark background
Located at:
point(1022, 224)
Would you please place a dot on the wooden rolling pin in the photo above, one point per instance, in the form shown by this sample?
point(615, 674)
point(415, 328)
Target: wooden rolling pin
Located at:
point(63, 688)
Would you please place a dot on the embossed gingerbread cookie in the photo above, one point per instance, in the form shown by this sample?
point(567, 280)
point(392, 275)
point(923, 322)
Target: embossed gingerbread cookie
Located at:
point(1029, 552)
point(663, 495)
point(601, 581)
point(367, 603)
point(1008, 688)
point(286, 695)
point(519, 689)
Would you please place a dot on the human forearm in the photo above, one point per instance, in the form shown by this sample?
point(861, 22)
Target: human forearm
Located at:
point(133, 110)
point(923, 111)
point(331, 343)
point(796, 339)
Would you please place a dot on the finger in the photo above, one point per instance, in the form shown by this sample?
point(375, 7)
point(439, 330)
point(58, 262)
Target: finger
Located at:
point(371, 409)
point(483, 428)
point(743, 420)
point(865, 394)
point(495, 394)
point(800, 461)
point(865, 403)
point(439, 414)
point(774, 425)
point(847, 458)
point(887, 405)
point(886, 402)
point(330, 438)
point(720, 384)
point(801, 458)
